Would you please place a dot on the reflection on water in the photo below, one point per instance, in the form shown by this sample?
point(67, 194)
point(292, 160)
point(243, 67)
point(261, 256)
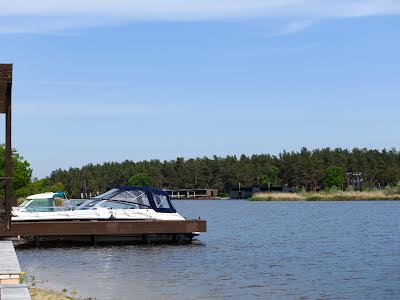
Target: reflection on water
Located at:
point(309, 250)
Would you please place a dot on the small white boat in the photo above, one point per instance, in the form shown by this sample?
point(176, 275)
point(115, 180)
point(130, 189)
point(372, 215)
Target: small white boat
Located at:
point(124, 203)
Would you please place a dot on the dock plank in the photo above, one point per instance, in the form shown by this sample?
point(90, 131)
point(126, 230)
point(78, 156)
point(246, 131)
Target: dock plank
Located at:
point(8, 259)
point(14, 292)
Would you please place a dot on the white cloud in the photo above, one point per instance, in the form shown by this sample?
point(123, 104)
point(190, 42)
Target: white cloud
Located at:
point(52, 16)
point(295, 26)
point(204, 9)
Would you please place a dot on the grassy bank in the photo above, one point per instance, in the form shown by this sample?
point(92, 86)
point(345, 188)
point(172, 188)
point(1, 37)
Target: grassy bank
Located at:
point(41, 294)
point(326, 196)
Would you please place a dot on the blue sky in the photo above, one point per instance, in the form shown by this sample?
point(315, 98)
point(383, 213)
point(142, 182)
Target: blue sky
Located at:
point(109, 81)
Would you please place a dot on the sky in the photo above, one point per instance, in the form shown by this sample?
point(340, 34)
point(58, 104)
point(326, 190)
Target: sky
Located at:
point(114, 80)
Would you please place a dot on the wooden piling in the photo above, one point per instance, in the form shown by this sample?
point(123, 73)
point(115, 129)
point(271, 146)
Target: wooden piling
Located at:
point(146, 240)
point(36, 241)
point(93, 240)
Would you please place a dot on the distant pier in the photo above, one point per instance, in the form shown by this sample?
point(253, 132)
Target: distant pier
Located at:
point(192, 193)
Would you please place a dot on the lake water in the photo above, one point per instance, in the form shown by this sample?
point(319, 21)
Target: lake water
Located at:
point(252, 250)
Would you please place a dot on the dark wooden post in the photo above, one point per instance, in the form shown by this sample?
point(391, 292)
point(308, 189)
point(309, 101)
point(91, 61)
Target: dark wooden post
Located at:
point(146, 239)
point(93, 240)
point(8, 170)
point(5, 107)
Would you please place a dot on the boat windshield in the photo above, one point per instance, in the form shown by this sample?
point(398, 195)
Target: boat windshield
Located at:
point(25, 202)
point(130, 198)
point(107, 194)
point(161, 201)
point(88, 204)
point(118, 199)
point(42, 205)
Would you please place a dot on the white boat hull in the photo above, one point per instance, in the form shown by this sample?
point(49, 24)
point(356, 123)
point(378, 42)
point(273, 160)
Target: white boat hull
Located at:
point(95, 214)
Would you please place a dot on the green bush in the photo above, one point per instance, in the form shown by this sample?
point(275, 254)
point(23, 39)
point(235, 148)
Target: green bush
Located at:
point(140, 180)
point(391, 190)
point(334, 177)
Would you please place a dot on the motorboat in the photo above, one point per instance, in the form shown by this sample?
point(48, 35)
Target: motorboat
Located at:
point(122, 203)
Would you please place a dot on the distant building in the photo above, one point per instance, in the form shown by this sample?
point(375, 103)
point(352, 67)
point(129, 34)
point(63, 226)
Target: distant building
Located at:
point(354, 180)
point(192, 193)
point(248, 192)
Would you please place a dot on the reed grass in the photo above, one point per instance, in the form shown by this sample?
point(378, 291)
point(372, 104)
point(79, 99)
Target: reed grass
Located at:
point(326, 196)
point(277, 197)
point(41, 294)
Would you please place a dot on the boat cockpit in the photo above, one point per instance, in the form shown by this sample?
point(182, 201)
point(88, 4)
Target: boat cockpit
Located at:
point(130, 198)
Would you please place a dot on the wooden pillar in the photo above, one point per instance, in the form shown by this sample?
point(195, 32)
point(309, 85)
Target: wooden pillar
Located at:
point(8, 168)
point(36, 241)
point(93, 240)
point(178, 238)
point(5, 108)
point(146, 240)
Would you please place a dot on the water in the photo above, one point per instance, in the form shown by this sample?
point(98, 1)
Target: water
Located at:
point(252, 250)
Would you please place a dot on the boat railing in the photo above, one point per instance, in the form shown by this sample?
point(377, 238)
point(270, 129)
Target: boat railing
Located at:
point(44, 208)
point(129, 212)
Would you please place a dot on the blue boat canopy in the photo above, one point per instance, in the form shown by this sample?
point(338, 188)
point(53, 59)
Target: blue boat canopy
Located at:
point(142, 197)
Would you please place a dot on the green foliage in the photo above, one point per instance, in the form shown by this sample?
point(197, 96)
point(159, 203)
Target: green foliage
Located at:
point(397, 188)
point(270, 176)
point(140, 180)
point(393, 189)
point(40, 186)
point(223, 195)
point(334, 178)
point(332, 190)
point(21, 171)
point(302, 170)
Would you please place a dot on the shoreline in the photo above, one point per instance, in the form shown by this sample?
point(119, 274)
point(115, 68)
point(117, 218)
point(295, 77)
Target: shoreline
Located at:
point(49, 294)
point(326, 196)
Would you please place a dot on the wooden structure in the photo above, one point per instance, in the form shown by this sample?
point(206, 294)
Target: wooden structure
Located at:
point(192, 193)
point(92, 229)
point(112, 227)
point(5, 108)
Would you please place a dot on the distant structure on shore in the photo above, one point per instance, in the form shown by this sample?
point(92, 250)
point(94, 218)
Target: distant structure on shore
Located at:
point(354, 180)
point(248, 192)
point(192, 193)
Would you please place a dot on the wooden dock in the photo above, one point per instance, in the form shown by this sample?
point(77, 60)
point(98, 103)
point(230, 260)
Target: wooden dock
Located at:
point(177, 230)
point(10, 274)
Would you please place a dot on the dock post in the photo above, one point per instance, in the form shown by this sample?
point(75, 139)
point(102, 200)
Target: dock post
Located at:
point(36, 240)
point(146, 239)
point(179, 238)
point(93, 240)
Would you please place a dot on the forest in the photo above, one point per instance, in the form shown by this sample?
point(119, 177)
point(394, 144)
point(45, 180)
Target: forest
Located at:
point(309, 170)
point(305, 169)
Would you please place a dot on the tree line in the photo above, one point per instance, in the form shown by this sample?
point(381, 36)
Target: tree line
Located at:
point(304, 169)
